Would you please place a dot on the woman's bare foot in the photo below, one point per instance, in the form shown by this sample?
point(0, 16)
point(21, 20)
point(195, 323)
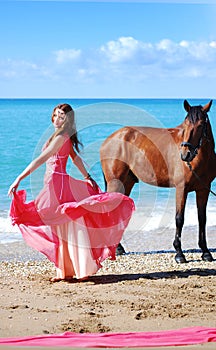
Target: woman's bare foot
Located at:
point(83, 279)
point(56, 279)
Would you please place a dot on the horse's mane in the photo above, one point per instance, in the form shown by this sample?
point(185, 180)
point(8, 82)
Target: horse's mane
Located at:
point(196, 113)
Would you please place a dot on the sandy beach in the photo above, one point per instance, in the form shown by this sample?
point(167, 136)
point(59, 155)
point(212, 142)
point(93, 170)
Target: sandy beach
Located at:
point(140, 291)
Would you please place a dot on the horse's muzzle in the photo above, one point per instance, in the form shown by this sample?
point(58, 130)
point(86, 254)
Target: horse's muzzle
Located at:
point(188, 151)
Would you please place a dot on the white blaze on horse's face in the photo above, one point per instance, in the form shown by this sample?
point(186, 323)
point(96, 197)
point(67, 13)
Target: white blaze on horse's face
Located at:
point(194, 126)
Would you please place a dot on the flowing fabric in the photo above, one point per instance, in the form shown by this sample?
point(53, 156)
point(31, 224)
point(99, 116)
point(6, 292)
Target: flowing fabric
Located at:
point(75, 225)
point(176, 337)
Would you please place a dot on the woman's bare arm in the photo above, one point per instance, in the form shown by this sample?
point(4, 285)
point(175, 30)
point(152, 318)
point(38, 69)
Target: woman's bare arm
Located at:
point(52, 148)
point(78, 162)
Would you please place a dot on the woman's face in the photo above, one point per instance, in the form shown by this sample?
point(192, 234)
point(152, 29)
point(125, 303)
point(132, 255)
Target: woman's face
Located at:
point(58, 119)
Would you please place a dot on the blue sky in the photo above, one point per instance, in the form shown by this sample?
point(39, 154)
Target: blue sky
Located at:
point(80, 49)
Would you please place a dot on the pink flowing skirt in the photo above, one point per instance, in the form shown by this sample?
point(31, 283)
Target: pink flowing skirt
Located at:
point(76, 236)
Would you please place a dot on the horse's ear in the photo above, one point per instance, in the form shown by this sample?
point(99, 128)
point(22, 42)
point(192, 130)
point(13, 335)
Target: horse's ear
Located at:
point(207, 107)
point(187, 106)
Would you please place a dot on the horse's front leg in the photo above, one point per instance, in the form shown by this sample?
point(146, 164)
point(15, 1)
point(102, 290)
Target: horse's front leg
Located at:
point(181, 197)
point(202, 199)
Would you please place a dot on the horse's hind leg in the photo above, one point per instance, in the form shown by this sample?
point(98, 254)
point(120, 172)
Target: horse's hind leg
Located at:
point(181, 197)
point(201, 199)
point(123, 183)
point(130, 181)
point(128, 185)
point(118, 177)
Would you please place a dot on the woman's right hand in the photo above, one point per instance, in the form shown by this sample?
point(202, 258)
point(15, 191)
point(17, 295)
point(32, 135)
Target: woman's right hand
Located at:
point(92, 182)
point(13, 187)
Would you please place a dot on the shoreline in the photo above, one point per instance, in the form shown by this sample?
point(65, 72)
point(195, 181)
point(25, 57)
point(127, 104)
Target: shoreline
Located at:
point(134, 242)
point(20, 252)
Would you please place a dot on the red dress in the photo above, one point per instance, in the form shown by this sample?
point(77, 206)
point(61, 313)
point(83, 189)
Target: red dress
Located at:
point(74, 225)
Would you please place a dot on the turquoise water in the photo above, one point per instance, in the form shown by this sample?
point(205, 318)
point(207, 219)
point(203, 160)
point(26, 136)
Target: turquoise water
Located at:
point(26, 125)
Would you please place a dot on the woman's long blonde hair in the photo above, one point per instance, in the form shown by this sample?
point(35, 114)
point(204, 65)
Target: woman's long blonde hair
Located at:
point(68, 126)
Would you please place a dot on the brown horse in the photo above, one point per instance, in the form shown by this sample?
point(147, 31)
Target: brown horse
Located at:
point(182, 157)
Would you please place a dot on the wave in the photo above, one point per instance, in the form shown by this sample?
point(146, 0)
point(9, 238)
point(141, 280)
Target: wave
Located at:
point(145, 219)
point(8, 232)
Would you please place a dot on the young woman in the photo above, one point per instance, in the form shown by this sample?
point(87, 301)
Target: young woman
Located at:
point(71, 221)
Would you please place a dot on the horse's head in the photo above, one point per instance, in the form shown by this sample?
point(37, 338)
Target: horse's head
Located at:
point(195, 128)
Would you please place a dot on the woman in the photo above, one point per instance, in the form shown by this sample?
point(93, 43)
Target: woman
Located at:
point(71, 221)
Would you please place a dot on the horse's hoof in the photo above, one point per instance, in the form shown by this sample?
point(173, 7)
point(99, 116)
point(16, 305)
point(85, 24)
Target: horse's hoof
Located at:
point(120, 250)
point(207, 257)
point(180, 259)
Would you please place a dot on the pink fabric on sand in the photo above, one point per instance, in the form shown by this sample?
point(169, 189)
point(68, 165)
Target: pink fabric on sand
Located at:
point(178, 337)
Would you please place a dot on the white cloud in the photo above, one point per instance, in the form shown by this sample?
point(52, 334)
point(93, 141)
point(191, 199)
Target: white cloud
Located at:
point(184, 43)
point(212, 44)
point(13, 68)
point(126, 48)
point(201, 51)
point(67, 55)
point(126, 59)
point(137, 62)
point(165, 45)
point(122, 49)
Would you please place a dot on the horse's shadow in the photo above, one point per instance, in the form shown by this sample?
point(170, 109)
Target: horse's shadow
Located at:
point(213, 250)
point(114, 278)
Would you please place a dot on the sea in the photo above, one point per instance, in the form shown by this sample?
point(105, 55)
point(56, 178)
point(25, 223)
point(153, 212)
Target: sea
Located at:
point(26, 125)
